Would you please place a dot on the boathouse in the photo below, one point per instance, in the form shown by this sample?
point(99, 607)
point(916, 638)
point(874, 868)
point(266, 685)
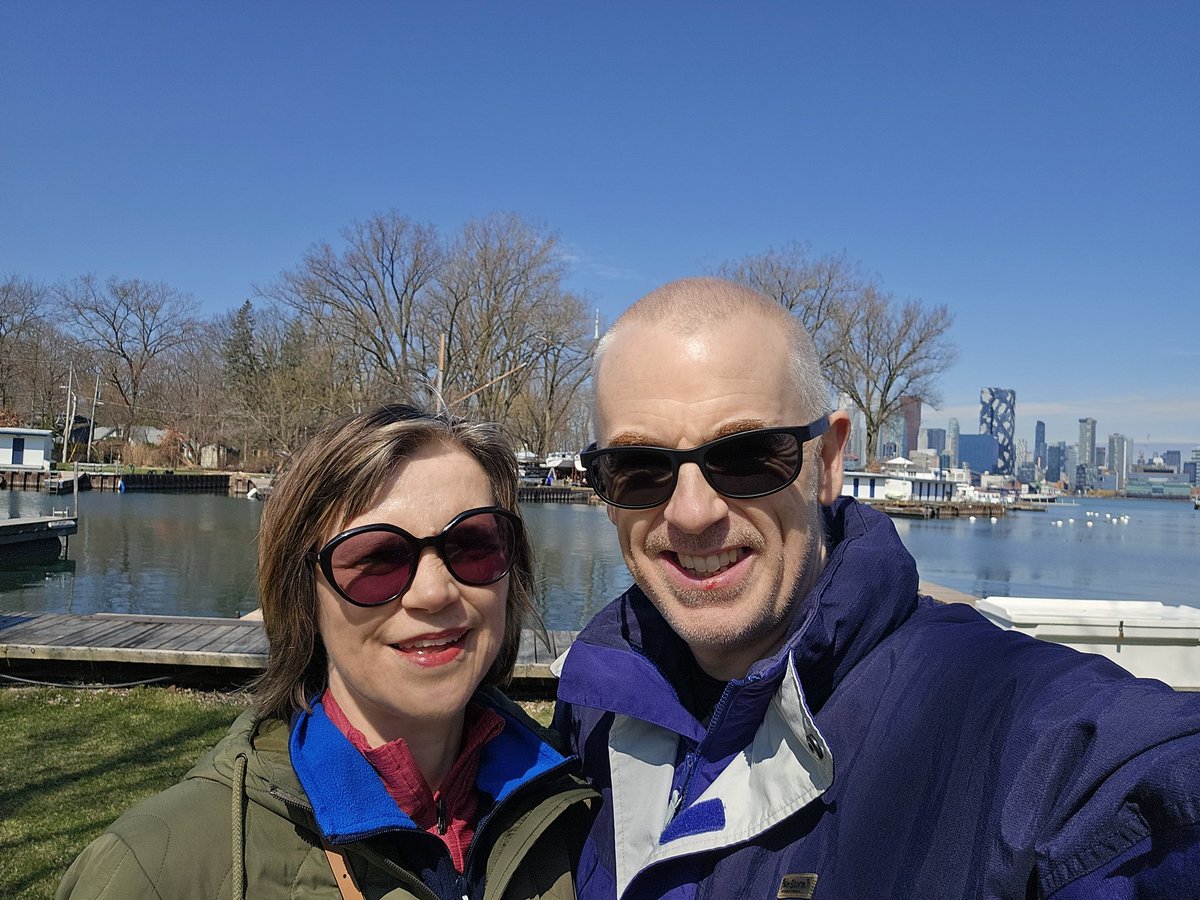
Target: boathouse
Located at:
point(26, 448)
point(893, 486)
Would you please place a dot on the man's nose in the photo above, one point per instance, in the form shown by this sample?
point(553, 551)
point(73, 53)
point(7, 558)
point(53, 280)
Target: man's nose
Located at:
point(694, 505)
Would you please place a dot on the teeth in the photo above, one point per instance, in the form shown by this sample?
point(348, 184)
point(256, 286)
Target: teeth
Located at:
point(706, 565)
point(422, 645)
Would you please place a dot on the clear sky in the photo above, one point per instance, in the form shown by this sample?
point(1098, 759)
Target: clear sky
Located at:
point(1035, 166)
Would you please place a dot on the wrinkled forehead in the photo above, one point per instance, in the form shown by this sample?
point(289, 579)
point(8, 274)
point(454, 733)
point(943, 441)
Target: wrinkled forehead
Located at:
point(683, 385)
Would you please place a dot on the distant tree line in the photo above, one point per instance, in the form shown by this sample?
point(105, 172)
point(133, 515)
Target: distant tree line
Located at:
point(478, 320)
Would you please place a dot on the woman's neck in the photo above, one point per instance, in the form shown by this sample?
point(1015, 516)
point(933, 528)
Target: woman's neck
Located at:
point(434, 744)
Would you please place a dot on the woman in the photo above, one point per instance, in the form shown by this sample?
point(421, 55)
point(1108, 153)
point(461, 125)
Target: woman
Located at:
point(380, 759)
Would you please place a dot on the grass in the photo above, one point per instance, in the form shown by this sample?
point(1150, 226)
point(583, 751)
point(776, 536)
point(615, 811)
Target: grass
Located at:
point(74, 760)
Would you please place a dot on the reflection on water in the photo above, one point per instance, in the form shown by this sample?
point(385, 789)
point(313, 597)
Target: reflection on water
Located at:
point(195, 554)
point(578, 561)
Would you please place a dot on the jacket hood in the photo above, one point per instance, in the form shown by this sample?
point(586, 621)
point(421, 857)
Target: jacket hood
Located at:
point(261, 747)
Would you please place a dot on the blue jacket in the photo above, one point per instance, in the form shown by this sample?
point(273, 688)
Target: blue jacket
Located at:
point(893, 747)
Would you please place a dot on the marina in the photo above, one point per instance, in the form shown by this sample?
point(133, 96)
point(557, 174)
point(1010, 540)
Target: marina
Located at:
point(194, 554)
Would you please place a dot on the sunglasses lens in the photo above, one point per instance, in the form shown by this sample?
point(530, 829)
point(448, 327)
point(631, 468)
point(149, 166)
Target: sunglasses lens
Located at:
point(372, 567)
point(753, 464)
point(633, 477)
point(480, 549)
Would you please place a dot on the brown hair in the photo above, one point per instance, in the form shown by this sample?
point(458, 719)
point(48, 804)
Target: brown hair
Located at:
point(334, 477)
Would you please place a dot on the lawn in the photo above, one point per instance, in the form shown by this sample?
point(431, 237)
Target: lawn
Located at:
point(73, 760)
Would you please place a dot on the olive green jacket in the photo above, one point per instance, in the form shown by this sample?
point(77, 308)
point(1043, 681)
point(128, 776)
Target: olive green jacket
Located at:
point(240, 826)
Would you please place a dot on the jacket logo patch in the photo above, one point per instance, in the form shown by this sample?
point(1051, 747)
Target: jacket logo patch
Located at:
point(797, 887)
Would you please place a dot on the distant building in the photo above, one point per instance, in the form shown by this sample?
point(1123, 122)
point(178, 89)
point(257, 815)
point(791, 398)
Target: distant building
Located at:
point(952, 443)
point(1189, 472)
point(1174, 459)
point(935, 439)
point(1118, 458)
point(1100, 451)
point(1027, 473)
point(1056, 461)
point(998, 417)
point(910, 412)
point(855, 450)
point(1039, 443)
point(980, 451)
point(26, 448)
point(1087, 441)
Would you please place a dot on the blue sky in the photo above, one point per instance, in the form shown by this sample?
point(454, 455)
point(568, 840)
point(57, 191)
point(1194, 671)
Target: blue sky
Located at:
point(1033, 166)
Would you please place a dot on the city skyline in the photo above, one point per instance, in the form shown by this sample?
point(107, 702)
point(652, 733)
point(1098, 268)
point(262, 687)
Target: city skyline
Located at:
point(1031, 167)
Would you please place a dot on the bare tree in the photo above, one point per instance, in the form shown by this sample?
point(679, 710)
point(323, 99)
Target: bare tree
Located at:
point(369, 293)
point(129, 324)
point(889, 351)
point(500, 304)
point(22, 315)
point(547, 413)
point(191, 391)
point(816, 290)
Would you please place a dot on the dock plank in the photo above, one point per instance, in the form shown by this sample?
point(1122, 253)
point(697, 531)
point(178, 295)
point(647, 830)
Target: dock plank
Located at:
point(188, 641)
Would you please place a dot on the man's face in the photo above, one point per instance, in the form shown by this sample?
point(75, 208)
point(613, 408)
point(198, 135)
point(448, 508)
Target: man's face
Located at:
point(723, 572)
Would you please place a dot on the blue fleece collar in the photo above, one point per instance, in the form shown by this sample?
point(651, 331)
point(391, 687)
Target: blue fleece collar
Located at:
point(349, 798)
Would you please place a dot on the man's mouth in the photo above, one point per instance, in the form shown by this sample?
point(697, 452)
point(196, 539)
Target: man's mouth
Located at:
point(711, 564)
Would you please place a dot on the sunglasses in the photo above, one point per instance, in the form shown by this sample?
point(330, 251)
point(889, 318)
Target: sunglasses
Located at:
point(741, 466)
point(374, 564)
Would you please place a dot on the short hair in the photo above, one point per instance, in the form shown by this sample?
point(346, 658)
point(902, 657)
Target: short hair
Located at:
point(334, 477)
point(690, 304)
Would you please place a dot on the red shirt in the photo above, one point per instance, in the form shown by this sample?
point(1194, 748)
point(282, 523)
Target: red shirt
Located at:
point(457, 799)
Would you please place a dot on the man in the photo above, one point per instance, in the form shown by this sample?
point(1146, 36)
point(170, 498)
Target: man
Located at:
point(773, 711)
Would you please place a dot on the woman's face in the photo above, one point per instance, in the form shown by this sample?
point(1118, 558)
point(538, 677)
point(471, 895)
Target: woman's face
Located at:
point(414, 662)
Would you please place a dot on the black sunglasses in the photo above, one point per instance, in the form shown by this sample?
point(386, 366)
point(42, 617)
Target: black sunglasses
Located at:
point(374, 564)
point(741, 466)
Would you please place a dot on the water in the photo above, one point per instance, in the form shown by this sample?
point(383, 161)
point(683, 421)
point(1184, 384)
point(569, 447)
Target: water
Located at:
point(194, 554)
point(1153, 555)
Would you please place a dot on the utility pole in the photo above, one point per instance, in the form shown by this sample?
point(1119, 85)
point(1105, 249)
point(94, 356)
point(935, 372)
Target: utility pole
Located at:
point(92, 425)
point(68, 416)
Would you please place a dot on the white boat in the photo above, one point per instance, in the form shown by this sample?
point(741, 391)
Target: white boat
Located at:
point(562, 459)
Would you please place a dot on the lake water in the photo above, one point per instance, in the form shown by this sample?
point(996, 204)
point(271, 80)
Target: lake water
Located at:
point(194, 554)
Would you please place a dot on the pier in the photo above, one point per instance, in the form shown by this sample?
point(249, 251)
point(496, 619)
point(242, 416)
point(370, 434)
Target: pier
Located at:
point(65, 643)
point(38, 537)
point(915, 509)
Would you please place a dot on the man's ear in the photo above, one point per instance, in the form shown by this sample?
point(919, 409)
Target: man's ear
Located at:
point(833, 443)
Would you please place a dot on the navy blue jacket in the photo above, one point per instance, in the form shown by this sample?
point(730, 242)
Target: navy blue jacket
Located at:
point(893, 747)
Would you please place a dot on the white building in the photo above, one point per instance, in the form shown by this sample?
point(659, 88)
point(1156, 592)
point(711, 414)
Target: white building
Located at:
point(26, 448)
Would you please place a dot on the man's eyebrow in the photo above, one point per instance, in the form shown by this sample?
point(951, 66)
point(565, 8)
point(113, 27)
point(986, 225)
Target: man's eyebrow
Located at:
point(641, 439)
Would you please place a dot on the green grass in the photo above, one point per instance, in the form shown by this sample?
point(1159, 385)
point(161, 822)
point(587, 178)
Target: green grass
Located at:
point(74, 760)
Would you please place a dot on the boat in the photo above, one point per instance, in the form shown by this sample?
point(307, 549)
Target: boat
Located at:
point(563, 459)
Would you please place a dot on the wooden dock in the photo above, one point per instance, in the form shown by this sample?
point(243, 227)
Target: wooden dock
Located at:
point(37, 528)
point(192, 641)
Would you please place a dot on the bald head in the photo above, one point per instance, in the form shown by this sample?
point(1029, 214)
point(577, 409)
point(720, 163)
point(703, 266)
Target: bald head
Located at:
point(692, 306)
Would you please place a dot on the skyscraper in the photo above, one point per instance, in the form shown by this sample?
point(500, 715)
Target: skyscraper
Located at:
point(1039, 443)
point(910, 410)
point(998, 417)
point(952, 442)
point(1087, 442)
point(1118, 458)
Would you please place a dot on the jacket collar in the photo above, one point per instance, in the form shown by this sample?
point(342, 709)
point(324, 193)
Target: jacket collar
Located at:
point(348, 797)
